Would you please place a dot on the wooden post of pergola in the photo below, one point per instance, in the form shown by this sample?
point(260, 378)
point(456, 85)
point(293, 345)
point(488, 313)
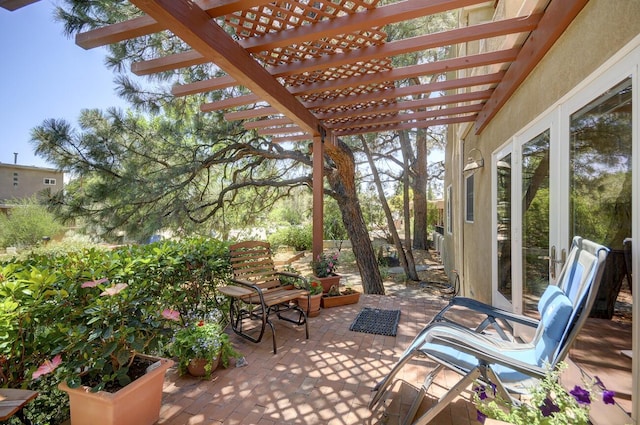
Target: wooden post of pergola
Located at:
point(318, 195)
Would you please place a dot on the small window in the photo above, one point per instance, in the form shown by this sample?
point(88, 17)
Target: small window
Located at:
point(469, 198)
point(50, 182)
point(449, 213)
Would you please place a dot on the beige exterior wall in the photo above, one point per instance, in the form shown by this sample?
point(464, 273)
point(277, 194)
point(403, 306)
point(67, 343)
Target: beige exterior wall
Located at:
point(597, 33)
point(19, 181)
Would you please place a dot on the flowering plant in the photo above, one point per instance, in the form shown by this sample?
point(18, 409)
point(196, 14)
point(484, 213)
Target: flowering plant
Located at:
point(549, 403)
point(325, 265)
point(315, 287)
point(106, 326)
point(200, 340)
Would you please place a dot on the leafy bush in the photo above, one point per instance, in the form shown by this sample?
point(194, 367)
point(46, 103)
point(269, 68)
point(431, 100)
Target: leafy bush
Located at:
point(298, 237)
point(45, 311)
point(26, 224)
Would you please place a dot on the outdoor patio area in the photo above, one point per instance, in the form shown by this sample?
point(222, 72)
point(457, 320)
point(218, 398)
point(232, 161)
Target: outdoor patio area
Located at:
point(327, 379)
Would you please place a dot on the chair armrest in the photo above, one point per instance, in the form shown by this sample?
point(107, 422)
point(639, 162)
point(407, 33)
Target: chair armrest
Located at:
point(487, 353)
point(486, 309)
point(250, 286)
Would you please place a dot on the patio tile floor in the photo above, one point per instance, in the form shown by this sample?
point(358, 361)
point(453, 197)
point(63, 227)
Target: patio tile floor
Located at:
point(326, 379)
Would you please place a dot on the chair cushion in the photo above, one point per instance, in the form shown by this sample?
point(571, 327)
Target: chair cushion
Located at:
point(548, 295)
point(554, 320)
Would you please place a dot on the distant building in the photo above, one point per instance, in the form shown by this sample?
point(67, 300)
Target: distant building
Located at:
point(21, 182)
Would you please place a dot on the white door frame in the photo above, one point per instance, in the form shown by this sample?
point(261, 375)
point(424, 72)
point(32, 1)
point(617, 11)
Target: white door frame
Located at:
point(626, 62)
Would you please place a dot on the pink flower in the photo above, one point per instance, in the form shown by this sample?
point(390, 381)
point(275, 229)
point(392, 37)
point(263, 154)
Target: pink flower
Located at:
point(92, 283)
point(169, 314)
point(113, 290)
point(47, 367)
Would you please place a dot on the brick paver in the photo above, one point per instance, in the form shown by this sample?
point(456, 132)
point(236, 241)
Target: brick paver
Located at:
point(326, 379)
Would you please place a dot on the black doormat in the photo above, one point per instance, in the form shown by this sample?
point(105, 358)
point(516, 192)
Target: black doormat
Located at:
point(376, 321)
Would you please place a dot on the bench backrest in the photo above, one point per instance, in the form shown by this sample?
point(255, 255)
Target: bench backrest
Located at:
point(252, 262)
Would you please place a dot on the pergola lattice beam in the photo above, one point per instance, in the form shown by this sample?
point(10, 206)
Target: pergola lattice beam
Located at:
point(394, 48)
point(399, 118)
point(395, 74)
point(478, 80)
point(556, 19)
point(145, 25)
point(409, 105)
point(409, 125)
point(15, 4)
point(250, 113)
point(195, 27)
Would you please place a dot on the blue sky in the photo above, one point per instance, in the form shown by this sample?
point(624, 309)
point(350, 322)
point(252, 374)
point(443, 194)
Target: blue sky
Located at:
point(44, 74)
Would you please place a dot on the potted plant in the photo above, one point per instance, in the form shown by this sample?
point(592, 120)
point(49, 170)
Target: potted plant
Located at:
point(548, 403)
point(311, 304)
point(99, 356)
point(200, 346)
point(337, 297)
point(324, 268)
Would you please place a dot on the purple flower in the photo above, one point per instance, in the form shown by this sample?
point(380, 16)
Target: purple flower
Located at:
point(481, 391)
point(493, 387)
point(607, 397)
point(481, 417)
point(548, 407)
point(581, 395)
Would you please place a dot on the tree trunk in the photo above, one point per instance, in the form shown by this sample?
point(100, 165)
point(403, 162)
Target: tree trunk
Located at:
point(420, 206)
point(406, 155)
point(341, 178)
point(385, 207)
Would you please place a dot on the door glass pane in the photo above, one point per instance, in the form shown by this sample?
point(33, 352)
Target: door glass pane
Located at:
point(504, 226)
point(600, 210)
point(535, 220)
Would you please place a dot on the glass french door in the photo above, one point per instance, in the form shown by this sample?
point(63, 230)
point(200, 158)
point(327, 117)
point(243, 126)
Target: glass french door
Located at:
point(571, 173)
point(600, 208)
point(503, 284)
point(537, 264)
point(522, 221)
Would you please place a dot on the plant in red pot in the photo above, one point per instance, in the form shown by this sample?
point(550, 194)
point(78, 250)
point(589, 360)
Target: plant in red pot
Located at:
point(99, 354)
point(200, 346)
point(311, 303)
point(324, 268)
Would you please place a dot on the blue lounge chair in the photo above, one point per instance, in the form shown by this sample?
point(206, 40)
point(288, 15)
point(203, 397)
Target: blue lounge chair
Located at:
point(510, 365)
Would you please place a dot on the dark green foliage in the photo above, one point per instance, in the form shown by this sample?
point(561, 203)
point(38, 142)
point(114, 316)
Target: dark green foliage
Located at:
point(26, 223)
point(298, 237)
point(45, 310)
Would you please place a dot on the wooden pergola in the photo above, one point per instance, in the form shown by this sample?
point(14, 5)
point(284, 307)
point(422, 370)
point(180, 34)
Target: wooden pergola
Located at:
point(321, 69)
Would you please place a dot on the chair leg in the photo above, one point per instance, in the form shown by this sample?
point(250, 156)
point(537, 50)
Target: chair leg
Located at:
point(446, 399)
point(273, 335)
point(381, 387)
point(237, 314)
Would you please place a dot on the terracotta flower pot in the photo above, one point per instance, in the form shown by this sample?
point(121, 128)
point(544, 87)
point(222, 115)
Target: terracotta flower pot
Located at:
point(136, 404)
point(328, 282)
point(338, 300)
point(198, 367)
point(313, 308)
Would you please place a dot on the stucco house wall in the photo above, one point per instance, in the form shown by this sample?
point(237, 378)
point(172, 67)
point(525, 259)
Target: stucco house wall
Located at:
point(598, 32)
point(20, 181)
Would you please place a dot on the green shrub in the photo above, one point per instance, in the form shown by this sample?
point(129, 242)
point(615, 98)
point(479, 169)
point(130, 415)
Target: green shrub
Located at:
point(298, 237)
point(41, 313)
point(26, 224)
